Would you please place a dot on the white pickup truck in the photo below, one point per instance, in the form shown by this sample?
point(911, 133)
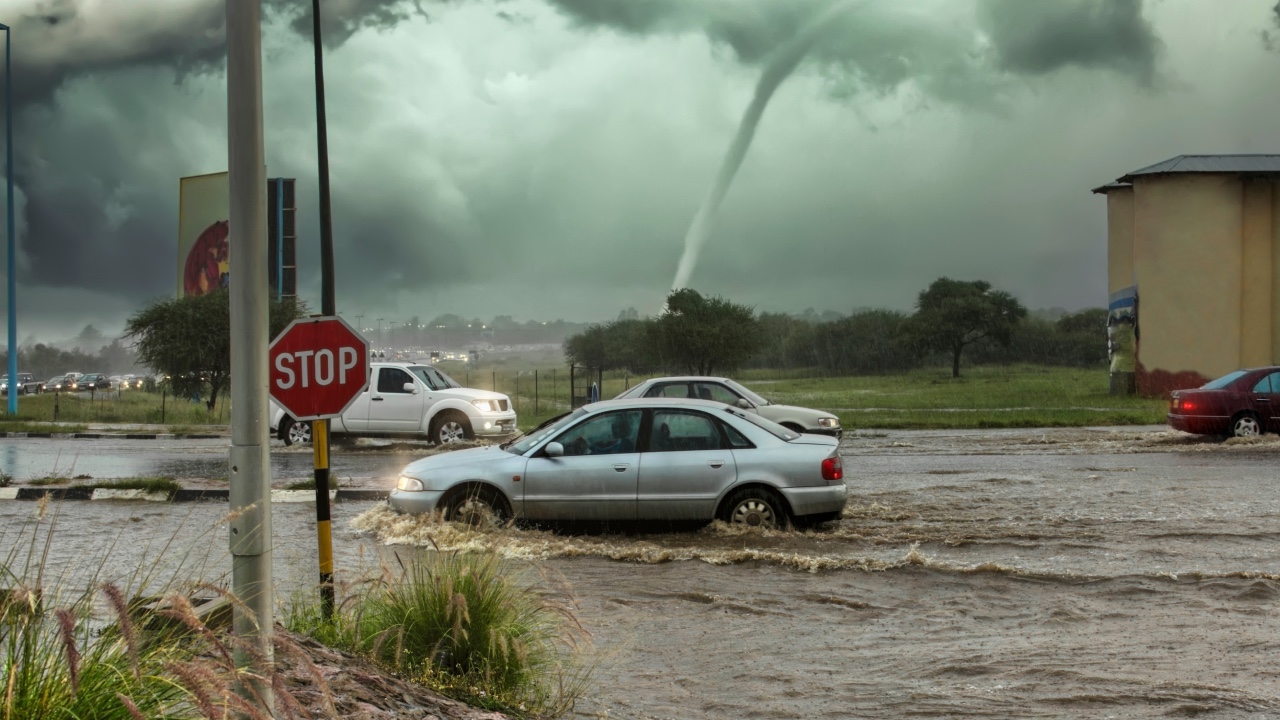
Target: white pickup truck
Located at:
point(411, 399)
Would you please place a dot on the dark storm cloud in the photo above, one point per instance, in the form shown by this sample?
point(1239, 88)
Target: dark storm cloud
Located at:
point(885, 45)
point(63, 39)
point(92, 221)
point(1039, 37)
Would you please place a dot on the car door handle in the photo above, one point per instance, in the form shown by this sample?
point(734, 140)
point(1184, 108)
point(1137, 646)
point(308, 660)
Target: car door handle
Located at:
point(377, 399)
point(621, 467)
point(715, 463)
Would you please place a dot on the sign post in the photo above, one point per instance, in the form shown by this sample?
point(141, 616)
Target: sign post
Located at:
point(318, 366)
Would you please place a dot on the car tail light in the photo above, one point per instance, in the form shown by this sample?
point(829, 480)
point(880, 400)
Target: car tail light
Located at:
point(832, 469)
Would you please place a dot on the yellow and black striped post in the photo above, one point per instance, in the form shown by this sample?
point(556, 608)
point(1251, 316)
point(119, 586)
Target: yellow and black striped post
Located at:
point(324, 535)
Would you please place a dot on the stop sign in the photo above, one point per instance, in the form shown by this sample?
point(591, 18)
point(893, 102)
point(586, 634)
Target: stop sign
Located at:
point(319, 365)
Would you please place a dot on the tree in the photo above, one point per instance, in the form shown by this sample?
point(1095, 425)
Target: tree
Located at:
point(619, 345)
point(189, 339)
point(701, 334)
point(953, 314)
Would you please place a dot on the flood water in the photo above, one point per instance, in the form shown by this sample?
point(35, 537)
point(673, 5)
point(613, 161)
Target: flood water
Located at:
point(1055, 574)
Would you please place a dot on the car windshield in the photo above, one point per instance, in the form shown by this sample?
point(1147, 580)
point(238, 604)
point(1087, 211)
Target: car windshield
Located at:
point(521, 445)
point(434, 379)
point(744, 392)
point(1223, 381)
point(772, 427)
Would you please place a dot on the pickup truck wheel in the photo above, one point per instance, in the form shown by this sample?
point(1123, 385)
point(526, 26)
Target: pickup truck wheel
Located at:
point(295, 432)
point(450, 427)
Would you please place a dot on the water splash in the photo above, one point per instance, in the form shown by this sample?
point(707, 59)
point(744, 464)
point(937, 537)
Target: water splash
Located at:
point(778, 67)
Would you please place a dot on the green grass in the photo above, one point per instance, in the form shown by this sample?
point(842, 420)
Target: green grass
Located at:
point(130, 406)
point(983, 397)
point(467, 624)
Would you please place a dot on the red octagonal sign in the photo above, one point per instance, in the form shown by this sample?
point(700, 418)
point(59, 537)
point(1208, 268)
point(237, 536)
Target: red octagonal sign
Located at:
point(319, 365)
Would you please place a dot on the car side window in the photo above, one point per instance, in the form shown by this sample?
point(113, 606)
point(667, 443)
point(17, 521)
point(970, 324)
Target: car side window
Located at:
point(676, 431)
point(392, 380)
point(1268, 384)
point(716, 392)
point(737, 440)
point(669, 390)
point(610, 434)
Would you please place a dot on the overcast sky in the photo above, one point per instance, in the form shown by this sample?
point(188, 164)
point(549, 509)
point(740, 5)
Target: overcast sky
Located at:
point(544, 158)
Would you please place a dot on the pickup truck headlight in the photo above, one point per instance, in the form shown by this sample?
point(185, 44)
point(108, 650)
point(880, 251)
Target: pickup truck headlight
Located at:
point(828, 422)
point(483, 405)
point(409, 484)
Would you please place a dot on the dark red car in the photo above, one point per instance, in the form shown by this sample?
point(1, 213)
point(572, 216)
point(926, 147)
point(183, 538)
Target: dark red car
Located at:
point(1242, 403)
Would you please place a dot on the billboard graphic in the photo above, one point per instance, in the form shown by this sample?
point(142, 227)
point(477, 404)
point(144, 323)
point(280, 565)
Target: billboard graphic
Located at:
point(204, 210)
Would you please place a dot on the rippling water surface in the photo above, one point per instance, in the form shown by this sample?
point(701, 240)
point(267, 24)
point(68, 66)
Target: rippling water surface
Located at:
point(1003, 574)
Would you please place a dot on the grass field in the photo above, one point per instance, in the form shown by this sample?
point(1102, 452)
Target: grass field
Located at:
point(984, 397)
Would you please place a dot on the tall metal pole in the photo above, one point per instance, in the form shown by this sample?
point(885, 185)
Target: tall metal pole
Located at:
point(250, 477)
point(328, 307)
point(13, 252)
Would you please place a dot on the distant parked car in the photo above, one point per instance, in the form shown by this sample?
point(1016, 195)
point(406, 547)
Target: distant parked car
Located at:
point(92, 381)
point(1238, 404)
point(727, 391)
point(57, 383)
point(638, 459)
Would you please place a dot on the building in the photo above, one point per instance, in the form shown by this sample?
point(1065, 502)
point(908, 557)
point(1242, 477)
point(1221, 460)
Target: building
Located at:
point(1193, 268)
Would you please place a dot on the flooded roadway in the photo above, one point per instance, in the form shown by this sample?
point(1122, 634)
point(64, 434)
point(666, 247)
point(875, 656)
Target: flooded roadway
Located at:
point(997, 574)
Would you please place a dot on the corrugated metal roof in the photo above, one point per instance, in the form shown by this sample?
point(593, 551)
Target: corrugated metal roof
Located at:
point(1229, 164)
point(1104, 189)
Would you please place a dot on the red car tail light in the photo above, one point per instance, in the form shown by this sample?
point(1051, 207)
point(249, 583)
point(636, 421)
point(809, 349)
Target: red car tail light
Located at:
point(832, 469)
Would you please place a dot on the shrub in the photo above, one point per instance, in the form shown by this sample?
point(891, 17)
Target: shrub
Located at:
point(466, 624)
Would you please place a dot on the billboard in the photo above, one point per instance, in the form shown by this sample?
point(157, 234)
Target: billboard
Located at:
point(204, 209)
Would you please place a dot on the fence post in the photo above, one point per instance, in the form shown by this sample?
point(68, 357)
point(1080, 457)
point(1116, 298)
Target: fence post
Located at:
point(517, 400)
point(535, 393)
point(164, 394)
point(553, 391)
point(56, 396)
point(495, 381)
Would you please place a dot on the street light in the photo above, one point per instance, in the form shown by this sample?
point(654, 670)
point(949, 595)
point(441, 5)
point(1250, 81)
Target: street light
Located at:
point(13, 252)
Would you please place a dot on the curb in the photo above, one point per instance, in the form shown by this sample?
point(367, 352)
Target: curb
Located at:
point(111, 436)
point(183, 495)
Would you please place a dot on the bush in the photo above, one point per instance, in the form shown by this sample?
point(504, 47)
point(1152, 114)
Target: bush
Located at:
point(464, 624)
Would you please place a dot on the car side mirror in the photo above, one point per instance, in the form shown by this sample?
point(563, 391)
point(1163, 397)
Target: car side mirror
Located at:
point(554, 450)
point(410, 388)
point(743, 403)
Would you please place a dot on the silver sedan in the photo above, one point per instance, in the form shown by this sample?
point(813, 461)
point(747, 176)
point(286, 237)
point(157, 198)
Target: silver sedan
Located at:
point(638, 459)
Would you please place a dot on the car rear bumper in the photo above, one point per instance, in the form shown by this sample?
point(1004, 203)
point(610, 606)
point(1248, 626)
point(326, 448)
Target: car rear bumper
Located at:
point(1200, 424)
point(414, 503)
point(817, 500)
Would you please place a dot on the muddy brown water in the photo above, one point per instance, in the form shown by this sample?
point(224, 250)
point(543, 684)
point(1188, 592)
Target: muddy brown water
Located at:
point(1071, 573)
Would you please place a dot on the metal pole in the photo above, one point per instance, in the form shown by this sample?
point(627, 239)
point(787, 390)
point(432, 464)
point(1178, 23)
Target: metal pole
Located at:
point(250, 476)
point(13, 252)
point(328, 307)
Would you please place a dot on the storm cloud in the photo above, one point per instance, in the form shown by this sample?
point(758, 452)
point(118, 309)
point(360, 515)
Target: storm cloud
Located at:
point(544, 157)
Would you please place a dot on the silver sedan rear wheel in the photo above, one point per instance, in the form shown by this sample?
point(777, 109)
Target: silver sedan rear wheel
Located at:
point(755, 508)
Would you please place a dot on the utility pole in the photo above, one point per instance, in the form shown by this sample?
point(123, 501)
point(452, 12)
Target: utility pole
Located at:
point(328, 307)
point(250, 476)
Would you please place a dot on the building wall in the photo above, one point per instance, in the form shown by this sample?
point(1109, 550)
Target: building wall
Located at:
point(1189, 251)
point(1119, 239)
